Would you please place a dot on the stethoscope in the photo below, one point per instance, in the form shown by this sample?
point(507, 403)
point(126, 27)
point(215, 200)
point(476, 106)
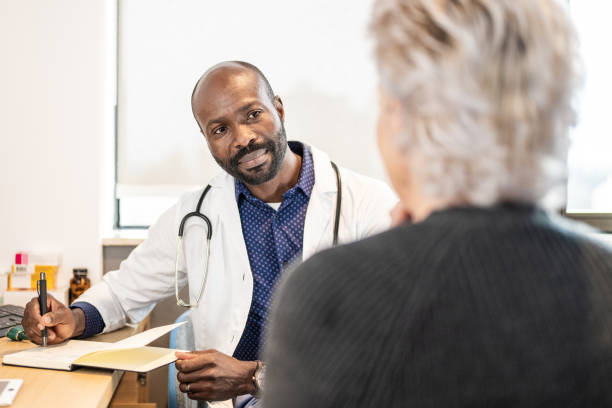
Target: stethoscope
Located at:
point(199, 214)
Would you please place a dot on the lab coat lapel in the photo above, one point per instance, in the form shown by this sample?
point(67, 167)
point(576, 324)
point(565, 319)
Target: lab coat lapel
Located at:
point(226, 324)
point(317, 227)
point(234, 247)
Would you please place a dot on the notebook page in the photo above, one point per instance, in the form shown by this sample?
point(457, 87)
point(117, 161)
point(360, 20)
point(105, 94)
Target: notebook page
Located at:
point(141, 359)
point(58, 356)
point(144, 338)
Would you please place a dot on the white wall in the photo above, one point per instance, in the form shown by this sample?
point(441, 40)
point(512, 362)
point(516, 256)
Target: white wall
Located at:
point(55, 105)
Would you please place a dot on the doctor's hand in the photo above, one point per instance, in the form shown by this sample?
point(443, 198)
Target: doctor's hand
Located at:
point(62, 323)
point(214, 376)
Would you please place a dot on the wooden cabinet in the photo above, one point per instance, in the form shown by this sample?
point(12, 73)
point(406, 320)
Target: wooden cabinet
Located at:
point(133, 392)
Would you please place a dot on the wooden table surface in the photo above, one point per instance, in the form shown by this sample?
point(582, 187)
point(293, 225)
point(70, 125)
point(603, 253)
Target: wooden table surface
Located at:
point(54, 388)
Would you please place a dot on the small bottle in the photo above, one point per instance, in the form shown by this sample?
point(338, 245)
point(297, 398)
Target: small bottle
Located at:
point(78, 284)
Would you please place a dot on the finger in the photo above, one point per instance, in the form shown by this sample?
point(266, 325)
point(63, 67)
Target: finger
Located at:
point(197, 387)
point(206, 395)
point(53, 304)
point(193, 364)
point(180, 364)
point(183, 387)
point(49, 320)
point(194, 376)
point(33, 335)
point(34, 318)
point(197, 396)
point(31, 316)
point(185, 356)
point(32, 308)
point(201, 396)
point(193, 387)
point(27, 321)
point(53, 338)
point(52, 319)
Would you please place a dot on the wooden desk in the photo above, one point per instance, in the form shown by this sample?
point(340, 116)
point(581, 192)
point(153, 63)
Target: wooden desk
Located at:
point(80, 388)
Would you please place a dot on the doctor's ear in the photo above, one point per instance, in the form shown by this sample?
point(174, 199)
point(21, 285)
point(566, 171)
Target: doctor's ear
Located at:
point(278, 105)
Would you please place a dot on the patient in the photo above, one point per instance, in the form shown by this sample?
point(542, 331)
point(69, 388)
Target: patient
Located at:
point(486, 298)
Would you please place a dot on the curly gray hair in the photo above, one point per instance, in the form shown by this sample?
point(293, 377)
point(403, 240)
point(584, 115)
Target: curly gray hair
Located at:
point(487, 92)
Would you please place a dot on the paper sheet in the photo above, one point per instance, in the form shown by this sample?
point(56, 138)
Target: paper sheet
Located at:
point(70, 350)
point(144, 338)
point(59, 356)
point(142, 359)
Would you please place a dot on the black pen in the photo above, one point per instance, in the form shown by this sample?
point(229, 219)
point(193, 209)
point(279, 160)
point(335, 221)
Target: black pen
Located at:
point(42, 301)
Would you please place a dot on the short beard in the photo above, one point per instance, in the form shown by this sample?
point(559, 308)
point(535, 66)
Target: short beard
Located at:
point(277, 146)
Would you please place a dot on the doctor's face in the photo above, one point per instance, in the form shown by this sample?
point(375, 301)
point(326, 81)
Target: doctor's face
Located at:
point(242, 123)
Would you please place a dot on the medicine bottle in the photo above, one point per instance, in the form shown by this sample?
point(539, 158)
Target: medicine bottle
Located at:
point(79, 283)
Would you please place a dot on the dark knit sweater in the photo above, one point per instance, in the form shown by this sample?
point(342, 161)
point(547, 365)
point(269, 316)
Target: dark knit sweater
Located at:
point(497, 307)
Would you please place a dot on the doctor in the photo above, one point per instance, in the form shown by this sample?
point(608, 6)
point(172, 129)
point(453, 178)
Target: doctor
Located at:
point(274, 204)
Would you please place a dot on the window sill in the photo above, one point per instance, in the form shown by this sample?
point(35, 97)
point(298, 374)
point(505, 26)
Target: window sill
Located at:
point(125, 238)
point(601, 221)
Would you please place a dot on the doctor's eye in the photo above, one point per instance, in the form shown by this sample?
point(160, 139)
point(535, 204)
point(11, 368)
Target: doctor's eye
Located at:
point(219, 130)
point(254, 114)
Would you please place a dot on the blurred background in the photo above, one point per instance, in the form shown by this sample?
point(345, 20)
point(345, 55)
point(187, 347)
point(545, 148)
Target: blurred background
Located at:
point(96, 127)
point(97, 136)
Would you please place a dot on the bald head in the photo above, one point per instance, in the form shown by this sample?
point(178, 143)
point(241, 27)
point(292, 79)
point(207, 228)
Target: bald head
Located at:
point(224, 69)
point(242, 121)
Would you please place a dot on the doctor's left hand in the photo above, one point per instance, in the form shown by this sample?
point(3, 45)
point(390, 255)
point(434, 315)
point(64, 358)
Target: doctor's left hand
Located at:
point(214, 376)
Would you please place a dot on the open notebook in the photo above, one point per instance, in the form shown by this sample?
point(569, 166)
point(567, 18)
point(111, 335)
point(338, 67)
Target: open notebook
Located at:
point(130, 354)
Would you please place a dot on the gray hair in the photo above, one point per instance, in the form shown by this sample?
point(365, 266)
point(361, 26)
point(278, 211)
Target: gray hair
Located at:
point(487, 89)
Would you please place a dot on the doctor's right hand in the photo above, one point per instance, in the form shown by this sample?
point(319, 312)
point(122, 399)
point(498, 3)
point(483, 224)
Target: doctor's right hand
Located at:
point(62, 323)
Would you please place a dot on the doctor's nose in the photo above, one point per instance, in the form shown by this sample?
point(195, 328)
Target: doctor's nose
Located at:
point(244, 137)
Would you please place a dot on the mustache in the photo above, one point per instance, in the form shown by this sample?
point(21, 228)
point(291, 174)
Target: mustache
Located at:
point(268, 145)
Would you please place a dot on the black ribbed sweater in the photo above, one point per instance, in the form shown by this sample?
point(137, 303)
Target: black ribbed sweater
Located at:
point(497, 307)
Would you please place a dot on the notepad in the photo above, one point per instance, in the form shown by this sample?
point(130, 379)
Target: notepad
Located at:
point(130, 354)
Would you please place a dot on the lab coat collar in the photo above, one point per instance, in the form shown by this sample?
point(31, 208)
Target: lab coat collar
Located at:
point(325, 178)
point(321, 206)
point(320, 212)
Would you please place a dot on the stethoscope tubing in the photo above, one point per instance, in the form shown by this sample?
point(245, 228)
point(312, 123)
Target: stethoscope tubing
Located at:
point(198, 213)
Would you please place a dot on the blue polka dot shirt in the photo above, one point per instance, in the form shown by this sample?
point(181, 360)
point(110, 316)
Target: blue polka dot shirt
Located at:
point(273, 240)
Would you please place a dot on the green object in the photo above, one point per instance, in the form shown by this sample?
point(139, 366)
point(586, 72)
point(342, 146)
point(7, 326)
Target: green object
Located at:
point(16, 333)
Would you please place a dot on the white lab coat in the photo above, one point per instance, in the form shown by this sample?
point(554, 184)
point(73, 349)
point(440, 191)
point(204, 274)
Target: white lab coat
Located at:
point(147, 275)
